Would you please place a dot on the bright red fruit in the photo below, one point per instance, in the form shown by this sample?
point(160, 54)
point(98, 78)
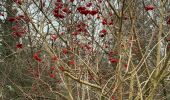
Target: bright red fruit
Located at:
point(61, 68)
point(75, 33)
point(52, 67)
point(21, 16)
point(149, 7)
point(52, 75)
point(18, 34)
point(111, 22)
point(54, 58)
point(103, 33)
point(15, 28)
point(89, 4)
point(54, 37)
point(104, 22)
point(59, 15)
point(111, 53)
point(71, 62)
point(93, 12)
point(36, 56)
point(88, 46)
point(62, 33)
point(110, 14)
point(19, 46)
point(65, 50)
point(11, 19)
point(66, 10)
point(113, 60)
point(83, 10)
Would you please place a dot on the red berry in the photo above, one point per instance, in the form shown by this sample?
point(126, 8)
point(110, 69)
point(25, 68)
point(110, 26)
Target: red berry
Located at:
point(113, 60)
point(52, 67)
point(36, 56)
point(19, 46)
point(54, 58)
point(93, 12)
point(65, 51)
point(11, 19)
point(149, 7)
point(71, 62)
point(54, 37)
point(52, 75)
point(104, 22)
point(89, 4)
point(103, 31)
point(61, 68)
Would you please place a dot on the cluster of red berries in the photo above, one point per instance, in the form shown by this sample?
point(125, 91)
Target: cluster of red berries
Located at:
point(111, 59)
point(103, 32)
point(17, 30)
point(83, 10)
point(106, 22)
point(60, 10)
